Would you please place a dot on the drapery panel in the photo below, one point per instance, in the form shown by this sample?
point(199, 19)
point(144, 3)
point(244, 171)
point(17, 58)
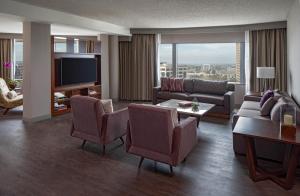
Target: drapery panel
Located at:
point(268, 48)
point(137, 67)
point(90, 46)
point(5, 57)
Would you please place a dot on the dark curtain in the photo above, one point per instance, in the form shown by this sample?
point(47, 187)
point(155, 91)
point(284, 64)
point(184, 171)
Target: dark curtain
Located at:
point(137, 67)
point(5, 57)
point(268, 48)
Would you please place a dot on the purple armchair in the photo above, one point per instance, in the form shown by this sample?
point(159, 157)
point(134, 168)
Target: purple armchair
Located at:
point(91, 123)
point(153, 132)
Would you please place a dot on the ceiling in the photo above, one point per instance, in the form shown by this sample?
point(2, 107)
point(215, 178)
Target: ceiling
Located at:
point(12, 24)
point(173, 13)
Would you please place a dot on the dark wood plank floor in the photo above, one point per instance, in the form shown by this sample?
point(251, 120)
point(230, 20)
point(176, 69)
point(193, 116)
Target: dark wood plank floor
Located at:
point(42, 159)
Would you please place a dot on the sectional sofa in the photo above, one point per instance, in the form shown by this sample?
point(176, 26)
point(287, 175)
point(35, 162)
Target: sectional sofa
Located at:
point(264, 149)
point(220, 93)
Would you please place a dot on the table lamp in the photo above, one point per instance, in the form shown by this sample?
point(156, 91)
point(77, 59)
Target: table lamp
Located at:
point(265, 73)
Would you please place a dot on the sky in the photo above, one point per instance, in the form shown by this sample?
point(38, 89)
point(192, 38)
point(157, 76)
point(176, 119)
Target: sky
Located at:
point(196, 54)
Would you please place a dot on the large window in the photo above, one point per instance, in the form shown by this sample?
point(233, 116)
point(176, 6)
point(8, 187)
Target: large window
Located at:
point(166, 68)
point(60, 44)
point(76, 45)
point(212, 61)
point(18, 68)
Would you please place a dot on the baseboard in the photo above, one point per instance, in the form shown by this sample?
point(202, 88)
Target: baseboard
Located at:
point(36, 119)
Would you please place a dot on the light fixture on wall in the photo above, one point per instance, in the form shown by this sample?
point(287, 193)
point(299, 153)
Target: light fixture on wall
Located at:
point(265, 73)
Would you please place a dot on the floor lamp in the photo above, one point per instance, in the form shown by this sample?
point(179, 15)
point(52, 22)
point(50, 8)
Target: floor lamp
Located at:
point(265, 73)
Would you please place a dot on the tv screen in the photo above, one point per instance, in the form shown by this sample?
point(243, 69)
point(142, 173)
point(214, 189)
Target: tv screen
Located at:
point(76, 70)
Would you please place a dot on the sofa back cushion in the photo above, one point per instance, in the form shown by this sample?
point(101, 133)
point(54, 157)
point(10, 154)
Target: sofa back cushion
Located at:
point(267, 107)
point(275, 112)
point(210, 87)
point(188, 85)
point(165, 84)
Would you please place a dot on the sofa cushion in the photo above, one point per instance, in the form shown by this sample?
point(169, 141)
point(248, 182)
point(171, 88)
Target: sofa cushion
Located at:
point(275, 112)
point(165, 84)
point(180, 96)
point(179, 84)
point(206, 98)
point(188, 85)
point(107, 105)
point(172, 95)
point(267, 107)
point(210, 87)
point(266, 96)
point(172, 84)
point(251, 105)
point(251, 114)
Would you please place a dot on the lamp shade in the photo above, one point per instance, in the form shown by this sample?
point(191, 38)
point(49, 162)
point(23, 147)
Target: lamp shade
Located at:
point(265, 72)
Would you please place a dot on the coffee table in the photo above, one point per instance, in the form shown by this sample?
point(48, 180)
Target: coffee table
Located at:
point(251, 129)
point(203, 108)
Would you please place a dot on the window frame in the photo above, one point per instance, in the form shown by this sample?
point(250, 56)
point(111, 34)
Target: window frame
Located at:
point(242, 58)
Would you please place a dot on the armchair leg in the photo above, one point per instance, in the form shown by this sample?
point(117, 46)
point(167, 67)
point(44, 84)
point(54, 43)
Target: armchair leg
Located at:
point(171, 169)
point(83, 143)
point(141, 161)
point(5, 111)
point(103, 150)
point(122, 140)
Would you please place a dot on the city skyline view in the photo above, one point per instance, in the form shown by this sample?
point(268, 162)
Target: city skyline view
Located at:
point(198, 54)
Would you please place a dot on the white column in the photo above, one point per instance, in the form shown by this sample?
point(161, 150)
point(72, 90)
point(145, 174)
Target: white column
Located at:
point(37, 71)
point(114, 67)
point(104, 67)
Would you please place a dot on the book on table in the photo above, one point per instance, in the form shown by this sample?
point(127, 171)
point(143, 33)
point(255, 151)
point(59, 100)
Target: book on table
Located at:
point(185, 104)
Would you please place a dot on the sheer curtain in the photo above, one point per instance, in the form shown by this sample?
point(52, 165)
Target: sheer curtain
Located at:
point(247, 61)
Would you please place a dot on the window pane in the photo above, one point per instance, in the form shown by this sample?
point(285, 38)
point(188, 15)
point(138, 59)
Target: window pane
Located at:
point(18, 60)
point(60, 44)
point(216, 61)
point(76, 45)
point(166, 60)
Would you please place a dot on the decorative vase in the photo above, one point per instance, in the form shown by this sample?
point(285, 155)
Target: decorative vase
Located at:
point(288, 121)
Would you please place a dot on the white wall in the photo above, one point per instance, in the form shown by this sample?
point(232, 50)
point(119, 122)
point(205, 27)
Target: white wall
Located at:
point(293, 35)
point(37, 71)
point(105, 66)
point(114, 67)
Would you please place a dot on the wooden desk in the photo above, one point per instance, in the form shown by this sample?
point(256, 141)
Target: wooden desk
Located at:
point(250, 129)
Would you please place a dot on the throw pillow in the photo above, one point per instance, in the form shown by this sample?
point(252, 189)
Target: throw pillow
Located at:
point(275, 112)
point(267, 107)
point(107, 105)
point(165, 84)
point(266, 96)
point(179, 84)
point(172, 85)
point(11, 94)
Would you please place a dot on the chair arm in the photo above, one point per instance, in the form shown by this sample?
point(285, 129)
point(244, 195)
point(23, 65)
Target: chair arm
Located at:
point(114, 125)
point(229, 102)
point(252, 98)
point(155, 92)
point(184, 139)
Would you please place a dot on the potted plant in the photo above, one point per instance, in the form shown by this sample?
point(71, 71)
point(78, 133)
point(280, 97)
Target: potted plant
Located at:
point(12, 84)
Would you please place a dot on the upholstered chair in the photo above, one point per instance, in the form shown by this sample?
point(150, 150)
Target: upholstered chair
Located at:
point(8, 103)
point(91, 123)
point(154, 132)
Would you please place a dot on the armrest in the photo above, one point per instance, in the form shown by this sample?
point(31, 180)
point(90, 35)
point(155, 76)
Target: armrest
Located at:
point(184, 139)
point(229, 102)
point(114, 124)
point(155, 92)
point(252, 98)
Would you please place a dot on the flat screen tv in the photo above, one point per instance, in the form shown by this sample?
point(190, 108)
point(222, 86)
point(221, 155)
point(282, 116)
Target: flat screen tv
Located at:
point(75, 71)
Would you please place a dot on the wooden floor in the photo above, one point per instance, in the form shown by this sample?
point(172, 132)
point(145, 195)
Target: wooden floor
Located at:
point(42, 159)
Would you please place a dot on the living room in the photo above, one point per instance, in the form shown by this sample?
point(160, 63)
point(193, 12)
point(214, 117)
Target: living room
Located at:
point(119, 97)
